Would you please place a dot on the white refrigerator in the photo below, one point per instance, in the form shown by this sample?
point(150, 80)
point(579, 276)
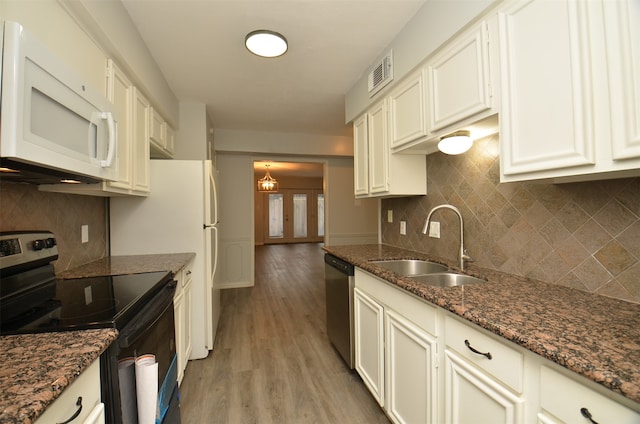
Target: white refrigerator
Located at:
point(180, 215)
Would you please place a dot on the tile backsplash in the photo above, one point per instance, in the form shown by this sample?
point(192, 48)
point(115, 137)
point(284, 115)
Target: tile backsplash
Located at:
point(583, 235)
point(23, 207)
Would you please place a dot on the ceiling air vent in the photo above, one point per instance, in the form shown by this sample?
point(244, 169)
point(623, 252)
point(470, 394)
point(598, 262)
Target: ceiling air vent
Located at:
point(381, 74)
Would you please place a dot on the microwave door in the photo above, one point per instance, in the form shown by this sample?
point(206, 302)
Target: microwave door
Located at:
point(50, 116)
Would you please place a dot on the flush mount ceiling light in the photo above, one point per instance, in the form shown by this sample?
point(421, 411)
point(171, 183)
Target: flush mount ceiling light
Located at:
point(455, 143)
point(267, 183)
point(266, 43)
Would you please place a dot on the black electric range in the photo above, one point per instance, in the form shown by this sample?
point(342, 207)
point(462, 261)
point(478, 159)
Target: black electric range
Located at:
point(139, 306)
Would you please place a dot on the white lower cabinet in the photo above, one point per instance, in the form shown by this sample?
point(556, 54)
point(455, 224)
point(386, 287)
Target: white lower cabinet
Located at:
point(182, 316)
point(369, 341)
point(396, 350)
point(424, 364)
point(563, 400)
point(82, 395)
point(483, 377)
point(410, 371)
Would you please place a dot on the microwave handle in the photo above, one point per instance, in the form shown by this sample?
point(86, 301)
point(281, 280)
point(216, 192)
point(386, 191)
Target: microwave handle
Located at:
point(111, 151)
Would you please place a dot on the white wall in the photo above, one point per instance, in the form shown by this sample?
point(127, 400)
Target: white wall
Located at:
point(432, 25)
point(282, 143)
point(191, 137)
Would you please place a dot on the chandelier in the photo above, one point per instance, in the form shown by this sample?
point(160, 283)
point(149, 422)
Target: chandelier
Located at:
point(267, 183)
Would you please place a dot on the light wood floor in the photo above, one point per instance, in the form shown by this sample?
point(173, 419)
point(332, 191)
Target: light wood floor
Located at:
point(272, 361)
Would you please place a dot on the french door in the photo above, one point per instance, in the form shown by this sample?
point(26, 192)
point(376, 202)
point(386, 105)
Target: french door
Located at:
point(294, 216)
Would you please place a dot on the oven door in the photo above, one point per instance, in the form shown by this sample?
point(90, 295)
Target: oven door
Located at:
point(151, 331)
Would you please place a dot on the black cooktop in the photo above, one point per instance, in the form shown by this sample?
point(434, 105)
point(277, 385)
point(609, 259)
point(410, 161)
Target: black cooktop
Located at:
point(94, 302)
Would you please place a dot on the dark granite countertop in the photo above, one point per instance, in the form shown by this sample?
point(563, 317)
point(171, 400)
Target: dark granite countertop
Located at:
point(36, 368)
point(592, 335)
point(130, 264)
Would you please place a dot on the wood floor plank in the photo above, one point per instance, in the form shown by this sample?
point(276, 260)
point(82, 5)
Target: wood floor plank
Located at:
point(272, 361)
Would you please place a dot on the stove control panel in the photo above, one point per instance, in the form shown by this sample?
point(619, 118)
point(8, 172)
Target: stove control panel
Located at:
point(25, 247)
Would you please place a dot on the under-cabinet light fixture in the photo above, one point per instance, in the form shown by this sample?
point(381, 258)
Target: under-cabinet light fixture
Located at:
point(455, 143)
point(266, 43)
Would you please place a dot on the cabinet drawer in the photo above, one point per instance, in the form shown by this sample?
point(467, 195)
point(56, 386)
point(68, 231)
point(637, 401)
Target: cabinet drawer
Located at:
point(87, 386)
point(562, 398)
point(506, 364)
point(419, 312)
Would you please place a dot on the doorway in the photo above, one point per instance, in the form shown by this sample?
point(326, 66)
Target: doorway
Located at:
point(294, 212)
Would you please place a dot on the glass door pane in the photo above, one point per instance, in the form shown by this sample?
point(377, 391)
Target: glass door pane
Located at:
point(299, 216)
point(276, 215)
point(320, 201)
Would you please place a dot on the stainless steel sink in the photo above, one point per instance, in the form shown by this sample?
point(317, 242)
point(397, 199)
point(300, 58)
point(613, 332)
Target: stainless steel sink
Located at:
point(447, 279)
point(409, 267)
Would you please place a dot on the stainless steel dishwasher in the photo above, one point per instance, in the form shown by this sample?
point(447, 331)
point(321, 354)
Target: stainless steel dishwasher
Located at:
point(339, 283)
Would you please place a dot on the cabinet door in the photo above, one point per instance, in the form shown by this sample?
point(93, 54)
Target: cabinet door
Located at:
point(120, 93)
point(411, 372)
point(622, 33)
point(378, 149)
point(170, 136)
point(141, 112)
point(360, 156)
point(178, 314)
point(369, 343)
point(547, 120)
point(471, 396)
point(407, 111)
point(459, 79)
point(188, 322)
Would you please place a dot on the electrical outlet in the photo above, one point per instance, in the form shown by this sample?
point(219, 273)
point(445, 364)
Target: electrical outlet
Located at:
point(434, 229)
point(84, 230)
point(403, 228)
point(390, 215)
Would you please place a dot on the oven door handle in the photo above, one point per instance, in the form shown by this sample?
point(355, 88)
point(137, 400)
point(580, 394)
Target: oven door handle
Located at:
point(148, 317)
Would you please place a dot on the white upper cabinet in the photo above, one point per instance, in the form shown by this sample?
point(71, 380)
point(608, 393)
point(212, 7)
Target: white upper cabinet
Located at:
point(459, 79)
point(377, 171)
point(569, 109)
point(161, 135)
point(622, 35)
point(361, 156)
point(408, 113)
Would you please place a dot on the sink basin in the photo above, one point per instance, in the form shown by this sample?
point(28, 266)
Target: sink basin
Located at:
point(408, 267)
point(447, 279)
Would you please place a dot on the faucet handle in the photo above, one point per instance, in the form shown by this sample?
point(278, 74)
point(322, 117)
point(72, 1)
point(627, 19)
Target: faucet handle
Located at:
point(466, 257)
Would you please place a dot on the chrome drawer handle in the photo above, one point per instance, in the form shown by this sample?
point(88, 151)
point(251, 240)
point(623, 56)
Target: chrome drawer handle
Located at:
point(74, 416)
point(468, 344)
point(585, 413)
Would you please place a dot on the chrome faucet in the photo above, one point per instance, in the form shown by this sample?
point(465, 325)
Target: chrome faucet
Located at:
point(464, 256)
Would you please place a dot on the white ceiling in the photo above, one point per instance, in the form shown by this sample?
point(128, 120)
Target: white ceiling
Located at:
point(199, 47)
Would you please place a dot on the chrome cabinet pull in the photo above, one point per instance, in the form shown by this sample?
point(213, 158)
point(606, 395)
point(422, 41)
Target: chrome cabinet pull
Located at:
point(74, 416)
point(585, 413)
point(468, 344)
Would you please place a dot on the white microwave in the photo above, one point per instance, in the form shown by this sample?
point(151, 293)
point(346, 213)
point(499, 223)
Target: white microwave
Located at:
point(50, 118)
